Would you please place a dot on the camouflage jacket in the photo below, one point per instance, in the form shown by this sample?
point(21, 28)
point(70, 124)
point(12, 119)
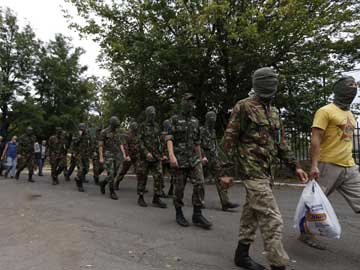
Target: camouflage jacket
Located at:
point(149, 136)
point(26, 144)
point(57, 146)
point(185, 134)
point(254, 139)
point(81, 145)
point(111, 142)
point(209, 143)
point(132, 145)
point(94, 141)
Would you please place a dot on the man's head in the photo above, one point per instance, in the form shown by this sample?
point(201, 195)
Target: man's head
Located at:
point(345, 90)
point(58, 131)
point(265, 82)
point(167, 125)
point(43, 142)
point(188, 103)
point(150, 113)
point(29, 130)
point(210, 119)
point(13, 139)
point(114, 122)
point(134, 127)
point(82, 127)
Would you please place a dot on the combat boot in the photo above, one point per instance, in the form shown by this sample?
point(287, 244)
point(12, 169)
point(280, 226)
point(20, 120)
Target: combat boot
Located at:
point(67, 178)
point(79, 184)
point(141, 201)
point(112, 192)
point(54, 181)
point(180, 219)
point(282, 267)
point(30, 178)
point(229, 205)
point(199, 220)
point(242, 258)
point(102, 185)
point(17, 175)
point(157, 202)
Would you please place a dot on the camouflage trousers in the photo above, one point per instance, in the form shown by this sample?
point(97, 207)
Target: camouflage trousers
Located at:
point(97, 167)
point(123, 169)
point(143, 168)
point(261, 210)
point(68, 171)
point(214, 168)
point(111, 166)
point(82, 164)
point(58, 164)
point(26, 160)
point(196, 177)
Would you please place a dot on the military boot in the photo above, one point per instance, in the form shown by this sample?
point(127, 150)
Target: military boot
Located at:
point(229, 205)
point(180, 219)
point(282, 267)
point(242, 258)
point(67, 177)
point(79, 184)
point(116, 185)
point(30, 178)
point(199, 220)
point(17, 175)
point(157, 202)
point(112, 191)
point(54, 181)
point(141, 201)
point(102, 185)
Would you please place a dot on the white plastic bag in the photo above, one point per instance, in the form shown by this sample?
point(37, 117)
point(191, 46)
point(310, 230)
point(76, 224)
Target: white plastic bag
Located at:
point(314, 214)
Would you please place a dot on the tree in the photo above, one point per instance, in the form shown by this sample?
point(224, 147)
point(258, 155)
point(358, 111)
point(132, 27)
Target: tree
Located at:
point(62, 90)
point(158, 49)
point(18, 49)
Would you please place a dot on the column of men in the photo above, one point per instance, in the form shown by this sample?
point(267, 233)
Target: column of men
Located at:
point(253, 140)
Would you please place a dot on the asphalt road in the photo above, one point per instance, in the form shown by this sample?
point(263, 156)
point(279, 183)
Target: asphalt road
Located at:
point(45, 227)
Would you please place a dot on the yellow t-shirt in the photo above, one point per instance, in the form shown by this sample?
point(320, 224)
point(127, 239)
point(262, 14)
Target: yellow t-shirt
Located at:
point(336, 146)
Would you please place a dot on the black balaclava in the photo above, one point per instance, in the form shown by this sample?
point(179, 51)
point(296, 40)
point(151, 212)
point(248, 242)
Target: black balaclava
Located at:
point(29, 131)
point(210, 119)
point(114, 122)
point(134, 127)
point(166, 125)
point(265, 83)
point(188, 104)
point(150, 114)
point(58, 131)
point(345, 91)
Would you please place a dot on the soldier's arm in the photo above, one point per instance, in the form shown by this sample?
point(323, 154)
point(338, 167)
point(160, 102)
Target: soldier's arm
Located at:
point(101, 147)
point(170, 147)
point(143, 148)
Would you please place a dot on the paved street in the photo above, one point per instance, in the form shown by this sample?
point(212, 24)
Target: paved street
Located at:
point(45, 227)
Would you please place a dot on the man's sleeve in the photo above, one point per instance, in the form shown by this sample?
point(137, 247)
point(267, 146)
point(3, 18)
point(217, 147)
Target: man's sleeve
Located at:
point(321, 119)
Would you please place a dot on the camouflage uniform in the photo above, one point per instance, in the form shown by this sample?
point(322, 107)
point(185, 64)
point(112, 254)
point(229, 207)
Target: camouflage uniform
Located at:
point(185, 134)
point(57, 150)
point(27, 156)
point(254, 139)
point(149, 136)
point(97, 167)
point(210, 150)
point(110, 140)
point(81, 148)
point(132, 149)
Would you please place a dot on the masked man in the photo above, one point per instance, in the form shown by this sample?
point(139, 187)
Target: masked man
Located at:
point(184, 148)
point(332, 163)
point(254, 140)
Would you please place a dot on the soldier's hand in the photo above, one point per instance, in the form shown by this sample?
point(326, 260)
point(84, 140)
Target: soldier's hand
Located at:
point(314, 173)
point(173, 162)
point(164, 158)
point(18, 156)
point(302, 175)
point(205, 161)
point(226, 181)
point(127, 158)
point(101, 160)
point(149, 157)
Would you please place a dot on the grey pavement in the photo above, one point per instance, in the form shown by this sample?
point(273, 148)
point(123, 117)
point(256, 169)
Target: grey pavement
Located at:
point(45, 227)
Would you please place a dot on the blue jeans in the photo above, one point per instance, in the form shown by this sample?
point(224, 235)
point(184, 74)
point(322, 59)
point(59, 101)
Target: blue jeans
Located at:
point(11, 166)
point(40, 163)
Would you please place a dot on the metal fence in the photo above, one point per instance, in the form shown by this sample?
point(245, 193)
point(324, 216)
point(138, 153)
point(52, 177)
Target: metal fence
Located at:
point(300, 143)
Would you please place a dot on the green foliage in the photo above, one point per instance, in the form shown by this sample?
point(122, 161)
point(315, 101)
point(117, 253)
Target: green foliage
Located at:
point(157, 49)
